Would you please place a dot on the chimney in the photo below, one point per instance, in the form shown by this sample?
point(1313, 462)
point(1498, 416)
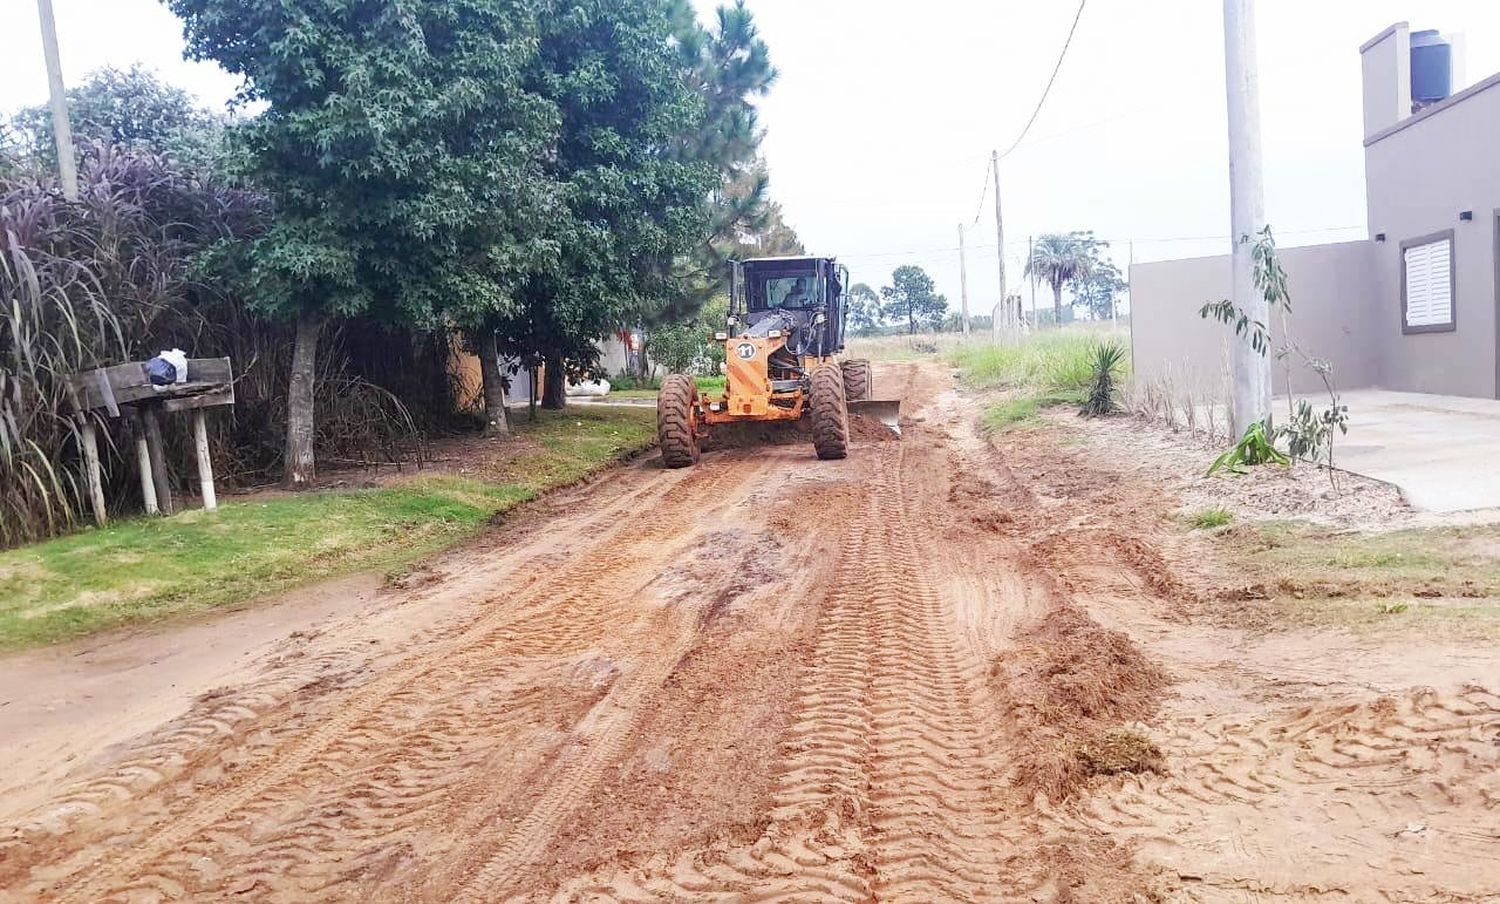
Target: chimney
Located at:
point(1386, 59)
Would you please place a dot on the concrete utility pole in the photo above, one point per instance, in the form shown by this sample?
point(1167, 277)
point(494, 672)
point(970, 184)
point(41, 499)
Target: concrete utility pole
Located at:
point(1251, 370)
point(1000, 319)
point(67, 169)
point(963, 281)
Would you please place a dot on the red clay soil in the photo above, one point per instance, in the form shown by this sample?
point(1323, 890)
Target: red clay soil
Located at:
point(937, 670)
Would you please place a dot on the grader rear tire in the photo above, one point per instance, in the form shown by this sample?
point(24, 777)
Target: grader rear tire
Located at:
point(676, 421)
point(859, 381)
point(830, 413)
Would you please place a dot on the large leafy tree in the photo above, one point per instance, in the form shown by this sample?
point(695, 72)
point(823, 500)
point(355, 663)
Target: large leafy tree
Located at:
point(1099, 290)
point(634, 198)
point(911, 295)
point(131, 109)
point(403, 149)
point(1061, 259)
point(865, 316)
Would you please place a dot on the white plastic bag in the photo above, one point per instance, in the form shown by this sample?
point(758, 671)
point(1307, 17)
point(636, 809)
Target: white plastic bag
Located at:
point(178, 357)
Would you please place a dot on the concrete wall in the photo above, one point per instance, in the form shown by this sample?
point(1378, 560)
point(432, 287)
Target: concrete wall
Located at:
point(1386, 59)
point(1332, 287)
point(1420, 175)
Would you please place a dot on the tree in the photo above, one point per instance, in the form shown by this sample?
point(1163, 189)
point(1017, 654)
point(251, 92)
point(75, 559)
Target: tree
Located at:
point(688, 347)
point(865, 316)
point(911, 295)
point(1059, 259)
point(729, 66)
point(635, 190)
point(130, 109)
point(403, 150)
point(1099, 290)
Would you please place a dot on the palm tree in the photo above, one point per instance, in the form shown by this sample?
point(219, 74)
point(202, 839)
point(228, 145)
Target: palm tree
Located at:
point(1058, 259)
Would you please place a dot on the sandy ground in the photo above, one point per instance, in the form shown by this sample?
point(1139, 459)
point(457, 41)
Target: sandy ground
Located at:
point(940, 670)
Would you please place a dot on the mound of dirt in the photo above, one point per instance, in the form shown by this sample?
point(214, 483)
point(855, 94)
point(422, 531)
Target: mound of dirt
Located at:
point(1070, 686)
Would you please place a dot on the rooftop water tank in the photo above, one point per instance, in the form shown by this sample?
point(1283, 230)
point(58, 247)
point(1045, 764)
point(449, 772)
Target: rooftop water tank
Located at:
point(1431, 68)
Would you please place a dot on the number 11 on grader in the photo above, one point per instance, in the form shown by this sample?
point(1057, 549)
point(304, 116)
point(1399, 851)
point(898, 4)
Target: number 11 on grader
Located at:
point(783, 347)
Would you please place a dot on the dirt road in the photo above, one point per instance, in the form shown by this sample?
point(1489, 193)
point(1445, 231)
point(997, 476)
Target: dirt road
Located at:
point(934, 671)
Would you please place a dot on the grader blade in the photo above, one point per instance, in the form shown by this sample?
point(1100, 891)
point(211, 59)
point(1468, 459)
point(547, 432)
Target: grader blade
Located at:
point(886, 411)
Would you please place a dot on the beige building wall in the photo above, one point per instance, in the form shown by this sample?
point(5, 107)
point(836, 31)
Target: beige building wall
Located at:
point(1332, 290)
point(1386, 60)
point(1421, 175)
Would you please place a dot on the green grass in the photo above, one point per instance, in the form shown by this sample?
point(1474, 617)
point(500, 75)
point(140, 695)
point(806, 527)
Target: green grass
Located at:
point(1445, 579)
point(1052, 367)
point(713, 385)
point(1022, 411)
point(1210, 518)
point(143, 569)
point(1049, 361)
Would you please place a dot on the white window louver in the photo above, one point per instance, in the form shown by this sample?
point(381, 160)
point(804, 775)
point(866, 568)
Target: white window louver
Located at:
point(1429, 284)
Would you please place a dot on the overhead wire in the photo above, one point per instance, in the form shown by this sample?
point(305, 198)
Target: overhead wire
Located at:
point(1048, 90)
point(1068, 42)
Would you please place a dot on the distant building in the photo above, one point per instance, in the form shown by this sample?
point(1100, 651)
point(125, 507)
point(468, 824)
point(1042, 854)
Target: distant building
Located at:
point(1414, 307)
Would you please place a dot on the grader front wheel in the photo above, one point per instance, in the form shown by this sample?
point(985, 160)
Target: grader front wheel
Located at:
point(677, 421)
point(859, 383)
point(830, 413)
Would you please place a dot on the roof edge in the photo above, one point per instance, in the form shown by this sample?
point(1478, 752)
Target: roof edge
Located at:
point(1383, 35)
point(1440, 106)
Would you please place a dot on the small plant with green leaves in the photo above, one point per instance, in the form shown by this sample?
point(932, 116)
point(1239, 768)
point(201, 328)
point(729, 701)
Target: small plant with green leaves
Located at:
point(1393, 608)
point(1100, 395)
point(1254, 448)
point(1210, 518)
point(1309, 434)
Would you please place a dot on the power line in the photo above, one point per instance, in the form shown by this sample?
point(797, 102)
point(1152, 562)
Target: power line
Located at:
point(984, 192)
point(1116, 240)
point(1048, 90)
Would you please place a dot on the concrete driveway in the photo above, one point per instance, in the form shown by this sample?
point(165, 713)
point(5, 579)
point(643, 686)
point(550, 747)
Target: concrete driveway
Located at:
point(1443, 452)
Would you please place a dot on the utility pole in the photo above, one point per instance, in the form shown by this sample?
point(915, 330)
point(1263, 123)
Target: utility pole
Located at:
point(1001, 316)
point(1026, 271)
point(1251, 370)
point(67, 168)
point(963, 281)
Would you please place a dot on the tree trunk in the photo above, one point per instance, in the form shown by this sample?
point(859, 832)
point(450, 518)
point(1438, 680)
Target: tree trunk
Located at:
point(531, 396)
point(496, 420)
point(911, 322)
point(1057, 304)
point(300, 464)
point(554, 383)
point(643, 360)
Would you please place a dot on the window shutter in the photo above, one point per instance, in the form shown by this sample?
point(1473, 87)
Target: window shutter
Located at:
point(1429, 284)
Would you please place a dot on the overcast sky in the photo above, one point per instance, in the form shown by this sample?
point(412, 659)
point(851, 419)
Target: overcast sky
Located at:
point(880, 127)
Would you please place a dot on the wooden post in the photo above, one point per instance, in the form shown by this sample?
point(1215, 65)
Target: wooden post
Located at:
point(143, 462)
point(158, 461)
point(205, 464)
point(90, 441)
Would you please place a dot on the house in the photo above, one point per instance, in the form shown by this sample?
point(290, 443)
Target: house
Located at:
point(1414, 307)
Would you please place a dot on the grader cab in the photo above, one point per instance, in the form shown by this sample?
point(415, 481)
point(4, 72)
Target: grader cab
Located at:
point(782, 348)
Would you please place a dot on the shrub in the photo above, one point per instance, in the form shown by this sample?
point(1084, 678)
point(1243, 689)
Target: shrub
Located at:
point(1254, 448)
point(1103, 382)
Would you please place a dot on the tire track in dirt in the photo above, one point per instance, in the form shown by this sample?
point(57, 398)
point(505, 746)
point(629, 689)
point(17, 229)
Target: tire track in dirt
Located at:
point(1310, 801)
point(529, 627)
point(883, 790)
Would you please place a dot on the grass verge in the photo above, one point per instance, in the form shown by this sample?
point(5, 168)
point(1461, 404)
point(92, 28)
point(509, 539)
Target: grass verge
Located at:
point(1053, 367)
point(712, 385)
point(144, 569)
point(1439, 579)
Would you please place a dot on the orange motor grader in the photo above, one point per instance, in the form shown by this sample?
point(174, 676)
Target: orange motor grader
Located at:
point(782, 348)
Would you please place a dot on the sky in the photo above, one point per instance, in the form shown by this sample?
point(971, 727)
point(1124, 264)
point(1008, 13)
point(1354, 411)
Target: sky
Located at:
point(880, 126)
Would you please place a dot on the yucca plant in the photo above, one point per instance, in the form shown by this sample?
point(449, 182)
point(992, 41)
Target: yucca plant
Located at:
point(1102, 391)
point(1254, 448)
